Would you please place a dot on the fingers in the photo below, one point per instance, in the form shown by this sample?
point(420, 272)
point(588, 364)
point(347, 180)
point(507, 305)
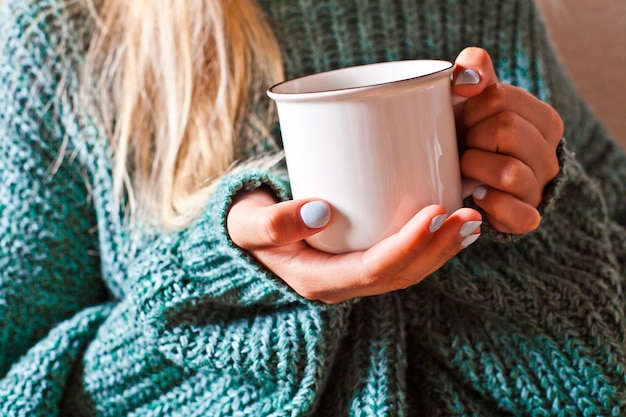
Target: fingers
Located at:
point(510, 191)
point(510, 146)
point(503, 98)
point(422, 246)
point(388, 266)
point(474, 76)
point(408, 243)
point(335, 278)
point(505, 212)
point(509, 134)
point(473, 72)
point(508, 142)
point(503, 172)
point(256, 220)
point(405, 258)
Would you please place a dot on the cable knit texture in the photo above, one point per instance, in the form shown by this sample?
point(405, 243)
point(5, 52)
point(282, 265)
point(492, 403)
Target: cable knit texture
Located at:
point(98, 321)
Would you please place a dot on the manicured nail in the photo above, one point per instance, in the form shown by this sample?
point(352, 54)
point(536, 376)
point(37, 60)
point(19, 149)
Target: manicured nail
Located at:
point(470, 239)
point(469, 227)
point(437, 222)
point(480, 192)
point(315, 214)
point(467, 76)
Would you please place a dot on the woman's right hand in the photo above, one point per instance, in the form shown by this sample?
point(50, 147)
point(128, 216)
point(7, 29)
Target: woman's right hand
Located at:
point(274, 234)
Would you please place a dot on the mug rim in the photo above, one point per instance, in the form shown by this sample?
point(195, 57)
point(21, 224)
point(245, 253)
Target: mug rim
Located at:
point(272, 92)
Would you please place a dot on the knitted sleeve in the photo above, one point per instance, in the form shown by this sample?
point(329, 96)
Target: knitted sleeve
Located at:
point(48, 270)
point(207, 306)
point(602, 158)
point(205, 250)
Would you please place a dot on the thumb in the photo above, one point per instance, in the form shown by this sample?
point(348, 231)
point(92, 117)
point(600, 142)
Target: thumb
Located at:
point(473, 72)
point(258, 221)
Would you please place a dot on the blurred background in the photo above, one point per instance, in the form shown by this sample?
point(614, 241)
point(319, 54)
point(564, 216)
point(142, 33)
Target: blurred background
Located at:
point(590, 37)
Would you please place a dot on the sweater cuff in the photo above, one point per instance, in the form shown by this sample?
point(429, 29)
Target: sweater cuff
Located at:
point(552, 191)
point(225, 271)
point(201, 264)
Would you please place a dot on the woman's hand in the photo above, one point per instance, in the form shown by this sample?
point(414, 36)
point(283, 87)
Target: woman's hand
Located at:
point(273, 233)
point(509, 140)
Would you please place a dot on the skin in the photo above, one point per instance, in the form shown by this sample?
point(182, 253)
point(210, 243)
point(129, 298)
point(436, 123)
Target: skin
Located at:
point(508, 140)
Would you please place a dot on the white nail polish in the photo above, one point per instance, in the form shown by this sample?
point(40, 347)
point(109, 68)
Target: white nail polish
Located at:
point(437, 222)
point(480, 192)
point(469, 227)
point(467, 76)
point(315, 214)
point(469, 240)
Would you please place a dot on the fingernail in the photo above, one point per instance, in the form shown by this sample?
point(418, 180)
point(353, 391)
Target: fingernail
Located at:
point(437, 222)
point(480, 192)
point(315, 214)
point(470, 239)
point(467, 76)
point(469, 227)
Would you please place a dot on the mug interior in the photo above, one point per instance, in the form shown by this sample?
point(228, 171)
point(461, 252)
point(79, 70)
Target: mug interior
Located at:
point(361, 76)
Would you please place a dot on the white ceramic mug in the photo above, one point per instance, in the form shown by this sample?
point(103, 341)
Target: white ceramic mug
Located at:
point(377, 142)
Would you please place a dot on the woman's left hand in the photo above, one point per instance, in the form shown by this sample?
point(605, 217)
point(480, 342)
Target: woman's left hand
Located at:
point(508, 139)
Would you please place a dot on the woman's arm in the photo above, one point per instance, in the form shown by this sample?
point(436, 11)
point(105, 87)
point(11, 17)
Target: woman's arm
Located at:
point(49, 268)
point(206, 305)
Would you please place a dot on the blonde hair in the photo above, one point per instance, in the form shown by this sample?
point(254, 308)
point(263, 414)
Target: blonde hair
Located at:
point(170, 83)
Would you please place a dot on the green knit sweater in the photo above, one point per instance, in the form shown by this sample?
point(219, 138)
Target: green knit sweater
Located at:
point(95, 320)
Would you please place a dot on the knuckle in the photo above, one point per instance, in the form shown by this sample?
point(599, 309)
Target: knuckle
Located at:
point(496, 98)
point(507, 128)
point(513, 176)
point(552, 170)
point(508, 122)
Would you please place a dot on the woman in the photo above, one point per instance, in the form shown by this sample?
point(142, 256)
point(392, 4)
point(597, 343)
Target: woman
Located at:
point(141, 275)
